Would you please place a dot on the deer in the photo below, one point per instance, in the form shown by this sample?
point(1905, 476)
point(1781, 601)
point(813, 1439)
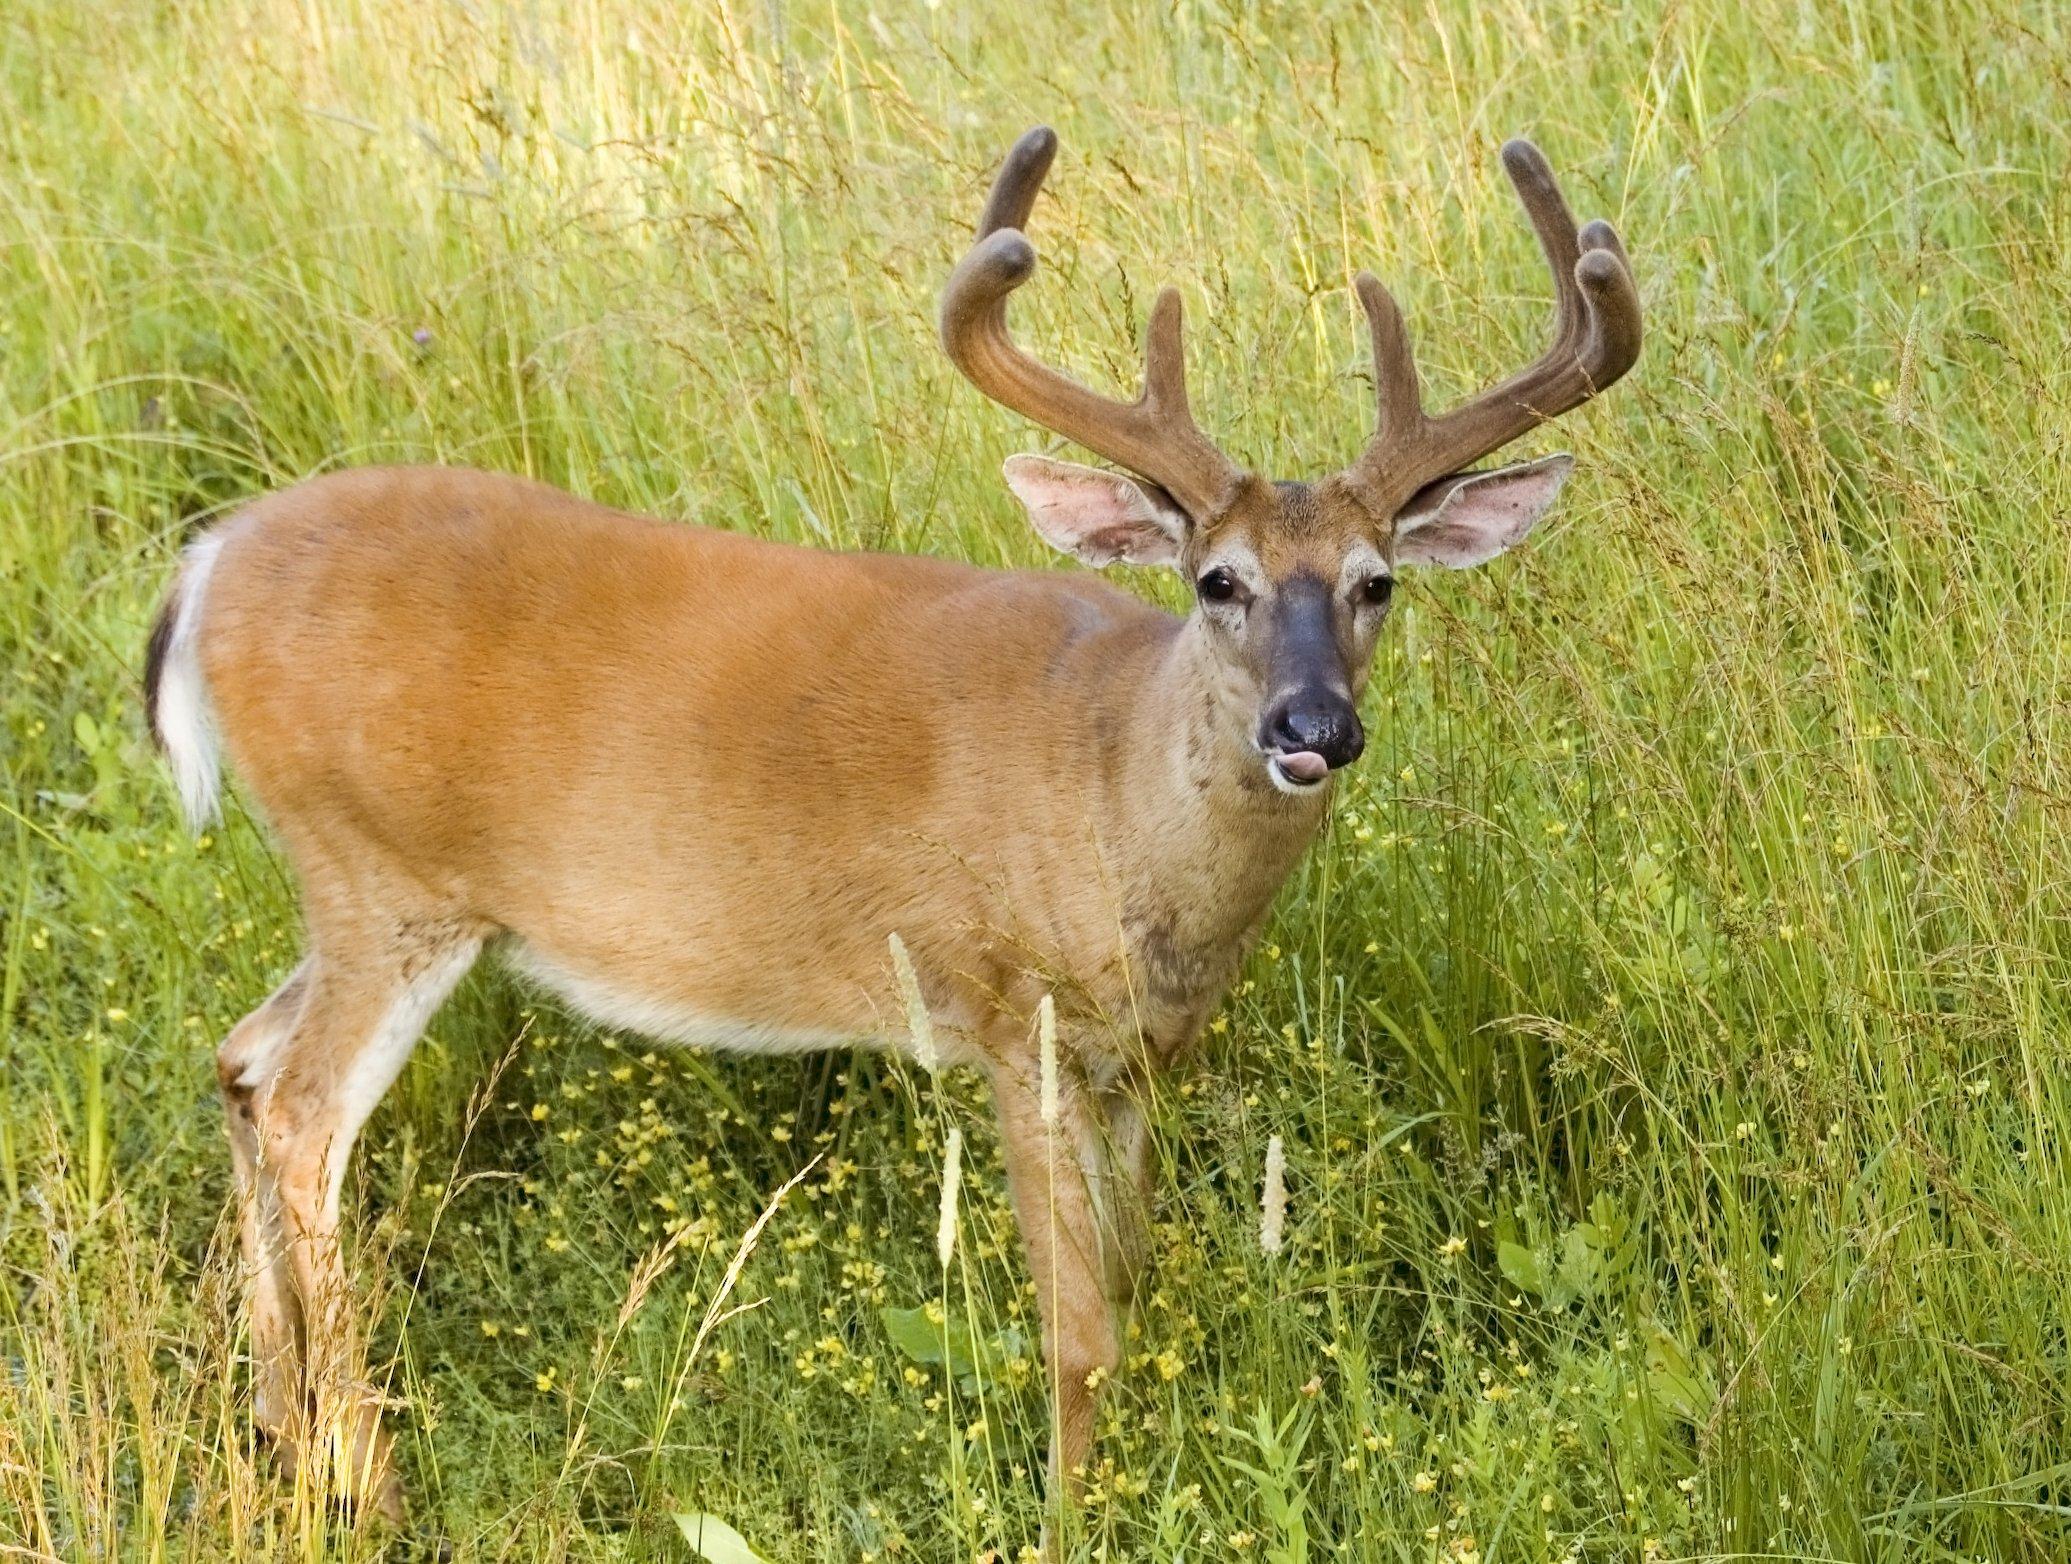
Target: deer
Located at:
point(693, 781)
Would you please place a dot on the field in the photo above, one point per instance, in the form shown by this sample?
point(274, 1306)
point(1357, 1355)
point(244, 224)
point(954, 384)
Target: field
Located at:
point(1670, 1039)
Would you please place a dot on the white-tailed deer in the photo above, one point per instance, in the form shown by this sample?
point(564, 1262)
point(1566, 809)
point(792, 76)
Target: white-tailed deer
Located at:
point(692, 781)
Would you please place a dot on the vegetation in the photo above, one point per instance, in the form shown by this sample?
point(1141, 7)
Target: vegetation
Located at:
point(1668, 1042)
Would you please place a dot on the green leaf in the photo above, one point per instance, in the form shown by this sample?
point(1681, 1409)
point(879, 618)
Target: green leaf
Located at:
point(1521, 1266)
point(1679, 1386)
point(922, 1340)
point(87, 732)
point(716, 1542)
point(1580, 1259)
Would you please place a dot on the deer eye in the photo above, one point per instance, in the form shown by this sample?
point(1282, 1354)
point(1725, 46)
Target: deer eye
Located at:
point(1217, 586)
point(1378, 589)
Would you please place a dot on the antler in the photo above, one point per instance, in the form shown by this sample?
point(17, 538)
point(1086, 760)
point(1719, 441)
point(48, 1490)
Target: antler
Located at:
point(1153, 436)
point(1596, 338)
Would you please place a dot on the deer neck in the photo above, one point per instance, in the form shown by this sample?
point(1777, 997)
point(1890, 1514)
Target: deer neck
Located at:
point(1207, 839)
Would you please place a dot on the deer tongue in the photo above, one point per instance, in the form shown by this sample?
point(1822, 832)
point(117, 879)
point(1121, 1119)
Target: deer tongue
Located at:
point(1304, 765)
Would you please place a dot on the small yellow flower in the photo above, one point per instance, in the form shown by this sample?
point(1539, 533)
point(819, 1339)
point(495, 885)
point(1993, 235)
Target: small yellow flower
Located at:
point(539, 1111)
point(545, 1382)
point(1452, 1248)
point(1423, 1482)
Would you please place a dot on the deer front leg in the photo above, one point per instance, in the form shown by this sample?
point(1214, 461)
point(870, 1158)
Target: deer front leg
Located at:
point(1060, 1229)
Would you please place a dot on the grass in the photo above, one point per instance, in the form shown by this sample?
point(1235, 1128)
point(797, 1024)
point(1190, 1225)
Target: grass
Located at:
point(1668, 1040)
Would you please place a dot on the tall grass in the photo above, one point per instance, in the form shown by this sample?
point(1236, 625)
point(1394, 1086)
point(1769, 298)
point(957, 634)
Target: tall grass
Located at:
point(1668, 1042)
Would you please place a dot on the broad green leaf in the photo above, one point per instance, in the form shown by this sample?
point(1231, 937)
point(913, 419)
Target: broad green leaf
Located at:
point(924, 1341)
point(1580, 1259)
point(1521, 1266)
point(1679, 1386)
point(716, 1542)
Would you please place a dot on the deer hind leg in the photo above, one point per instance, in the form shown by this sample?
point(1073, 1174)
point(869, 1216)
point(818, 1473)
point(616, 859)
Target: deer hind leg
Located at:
point(1117, 1160)
point(366, 998)
point(247, 1055)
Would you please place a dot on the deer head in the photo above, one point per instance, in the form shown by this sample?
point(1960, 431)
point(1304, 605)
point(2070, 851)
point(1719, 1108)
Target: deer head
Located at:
point(1292, 579)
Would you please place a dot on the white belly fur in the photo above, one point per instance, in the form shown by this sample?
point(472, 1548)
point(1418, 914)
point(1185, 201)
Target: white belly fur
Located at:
point(669, 1020)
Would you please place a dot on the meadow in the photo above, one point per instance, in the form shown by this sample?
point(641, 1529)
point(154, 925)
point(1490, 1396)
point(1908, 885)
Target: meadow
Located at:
point(1669, 1040)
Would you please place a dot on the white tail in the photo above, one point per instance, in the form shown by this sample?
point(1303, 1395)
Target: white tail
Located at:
point(177, 692)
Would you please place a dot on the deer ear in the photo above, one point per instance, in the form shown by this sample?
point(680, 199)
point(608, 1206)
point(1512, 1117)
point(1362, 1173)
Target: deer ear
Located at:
point(1472, 517)
point(1101, 517)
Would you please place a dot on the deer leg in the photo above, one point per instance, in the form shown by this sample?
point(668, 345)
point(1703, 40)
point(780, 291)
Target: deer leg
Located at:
point(276, 1324)
point(1060, 1229)
point(1118, 1166)
point(365, 1006)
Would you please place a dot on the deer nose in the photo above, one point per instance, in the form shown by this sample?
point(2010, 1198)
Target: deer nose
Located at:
point(1319, 721)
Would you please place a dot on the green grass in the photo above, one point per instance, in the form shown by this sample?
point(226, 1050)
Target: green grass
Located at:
point(1669, 1038)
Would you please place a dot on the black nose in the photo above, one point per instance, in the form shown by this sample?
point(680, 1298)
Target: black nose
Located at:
point(1320, 721)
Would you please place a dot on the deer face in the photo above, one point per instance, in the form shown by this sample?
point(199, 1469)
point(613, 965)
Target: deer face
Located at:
point(1292, 580)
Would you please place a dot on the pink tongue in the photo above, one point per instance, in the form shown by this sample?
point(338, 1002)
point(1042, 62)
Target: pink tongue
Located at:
point(1305, 765)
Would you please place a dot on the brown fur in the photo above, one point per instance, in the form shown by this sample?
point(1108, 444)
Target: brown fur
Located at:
point(716, 774)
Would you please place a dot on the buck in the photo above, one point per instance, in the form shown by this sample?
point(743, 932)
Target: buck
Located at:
point(692, 781)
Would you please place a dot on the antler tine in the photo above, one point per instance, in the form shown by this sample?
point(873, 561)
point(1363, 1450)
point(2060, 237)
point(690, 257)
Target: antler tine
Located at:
point(1165, 356)
point(1596, 338)
point(1020, 178)
point(1155, 435)
point(1395, 385)
point(1539, 193)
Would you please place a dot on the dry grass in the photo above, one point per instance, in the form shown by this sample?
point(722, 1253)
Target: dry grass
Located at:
point(1667, 1044)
